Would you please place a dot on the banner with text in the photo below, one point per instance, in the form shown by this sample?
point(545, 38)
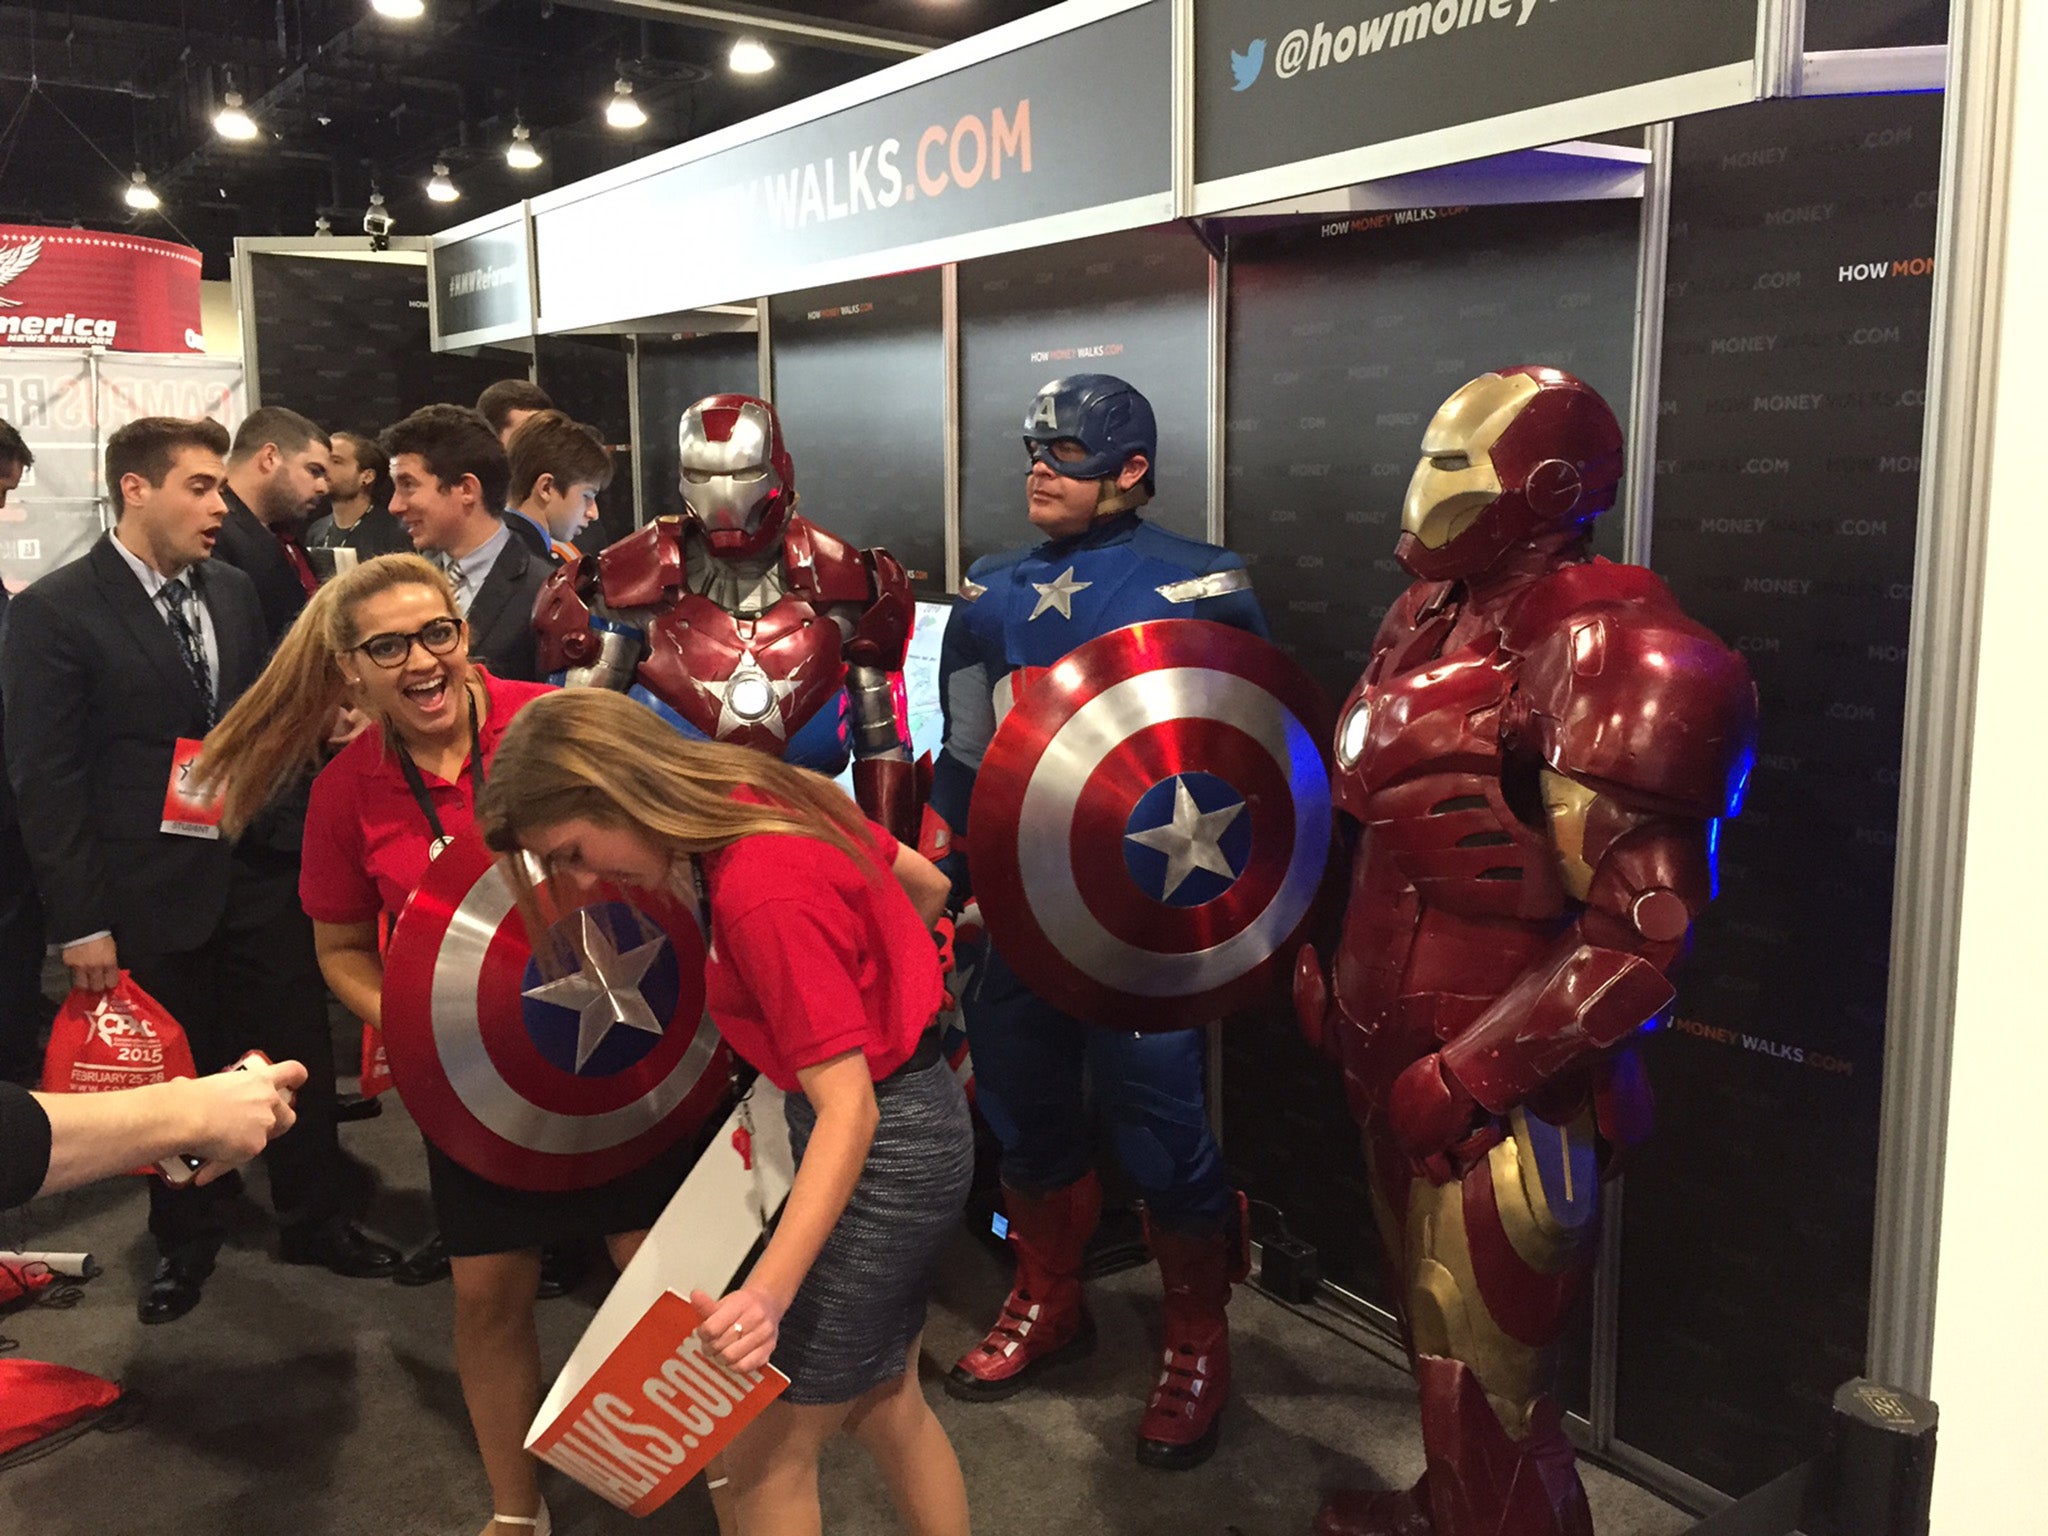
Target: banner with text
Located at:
point(83, 288)
point(481, 286)
point(1292, 95)
point(960, 164)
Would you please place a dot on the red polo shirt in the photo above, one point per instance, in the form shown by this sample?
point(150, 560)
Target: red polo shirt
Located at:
point(815, 954)
point(366, 837)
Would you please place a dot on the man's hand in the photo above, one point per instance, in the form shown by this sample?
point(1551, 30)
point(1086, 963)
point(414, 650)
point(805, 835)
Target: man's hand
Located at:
point(236, 1114)
point(742, 1329)
point(95, 965)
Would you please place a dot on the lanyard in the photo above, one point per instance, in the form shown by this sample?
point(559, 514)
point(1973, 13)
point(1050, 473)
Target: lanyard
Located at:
point(418, 785)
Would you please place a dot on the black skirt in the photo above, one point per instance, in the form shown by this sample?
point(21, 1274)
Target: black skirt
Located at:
point(479, 1217)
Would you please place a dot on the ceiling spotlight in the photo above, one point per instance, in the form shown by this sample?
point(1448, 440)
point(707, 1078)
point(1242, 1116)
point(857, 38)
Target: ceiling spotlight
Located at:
point(140, 195)
point(622, 111)
point(439, 187)
point(400, 10)
point(520, 153)
point(231, 122)
point(750, 58)
point(323, 227)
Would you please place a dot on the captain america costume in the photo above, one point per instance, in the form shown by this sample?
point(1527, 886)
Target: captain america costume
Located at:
point(1029, 608)
point(1092, 441)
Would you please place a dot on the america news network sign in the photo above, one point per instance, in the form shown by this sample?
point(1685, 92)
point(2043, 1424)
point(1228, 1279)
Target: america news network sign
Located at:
point(1297, 96)
point(481, 282)
point(82, 288)
point(1058, 137)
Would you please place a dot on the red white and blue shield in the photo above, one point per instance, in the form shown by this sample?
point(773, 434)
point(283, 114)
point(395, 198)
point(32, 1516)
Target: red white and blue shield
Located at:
point(1152, 821)
point(537, 1080)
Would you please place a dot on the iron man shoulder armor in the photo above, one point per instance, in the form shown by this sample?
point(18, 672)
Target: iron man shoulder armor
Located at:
point(628, 616)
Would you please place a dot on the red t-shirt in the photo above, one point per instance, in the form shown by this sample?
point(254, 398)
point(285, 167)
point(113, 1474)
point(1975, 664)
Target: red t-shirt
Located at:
point(815, 954)
point(366, 837)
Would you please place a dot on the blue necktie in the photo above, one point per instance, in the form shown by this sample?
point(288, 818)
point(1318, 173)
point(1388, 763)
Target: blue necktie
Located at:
point(179, 598)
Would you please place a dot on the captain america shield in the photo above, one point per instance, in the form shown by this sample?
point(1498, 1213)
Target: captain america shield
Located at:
point(544, 1081)
point(1152, 821)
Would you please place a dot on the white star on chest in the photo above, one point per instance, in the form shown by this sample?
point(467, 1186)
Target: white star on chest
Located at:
point(605, 991)
point(1058, 594)
point(1192, 840)
point(751, 697)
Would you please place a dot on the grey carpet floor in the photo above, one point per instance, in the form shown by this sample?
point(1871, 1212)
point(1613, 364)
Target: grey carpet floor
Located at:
point(295, 1401)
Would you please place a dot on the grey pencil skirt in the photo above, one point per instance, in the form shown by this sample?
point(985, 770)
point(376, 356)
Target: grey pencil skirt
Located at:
point(850, 1327)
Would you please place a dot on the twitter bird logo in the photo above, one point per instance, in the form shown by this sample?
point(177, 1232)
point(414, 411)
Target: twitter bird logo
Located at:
point(1248, 66)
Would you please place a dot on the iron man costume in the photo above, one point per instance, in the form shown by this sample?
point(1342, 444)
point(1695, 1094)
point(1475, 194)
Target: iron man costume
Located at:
point(744, 622)
point(1539, 754)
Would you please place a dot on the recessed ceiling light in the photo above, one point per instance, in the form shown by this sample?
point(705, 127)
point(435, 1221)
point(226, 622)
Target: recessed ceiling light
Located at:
point(520, 153)
point(622, 111)
point(749, 57)
point(231, 122)
point(439, 187)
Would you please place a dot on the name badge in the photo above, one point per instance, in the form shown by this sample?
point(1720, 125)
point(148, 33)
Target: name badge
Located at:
point(189, 810)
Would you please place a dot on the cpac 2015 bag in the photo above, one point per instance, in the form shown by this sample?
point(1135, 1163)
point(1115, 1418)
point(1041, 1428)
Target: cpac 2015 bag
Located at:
point(122, 1038)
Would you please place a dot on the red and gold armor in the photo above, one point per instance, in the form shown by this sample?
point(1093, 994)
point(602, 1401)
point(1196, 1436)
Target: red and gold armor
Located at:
point(744, 621)
point(1539, 755)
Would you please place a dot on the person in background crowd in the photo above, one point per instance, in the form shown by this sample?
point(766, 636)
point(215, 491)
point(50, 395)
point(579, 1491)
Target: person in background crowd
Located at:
point(508, 403)
point(23, 1009)
point(823, 975)
point(113, 665)
point(386, 637)
point(558, 468)
point(448, 481)
point(277, 475)
point(358, 495)
point(51, 1142)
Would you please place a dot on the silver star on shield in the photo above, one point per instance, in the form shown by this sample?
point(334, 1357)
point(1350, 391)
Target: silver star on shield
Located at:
point(1192, 840)
point(750, 673)
point(605, 991)
point(1058, 594)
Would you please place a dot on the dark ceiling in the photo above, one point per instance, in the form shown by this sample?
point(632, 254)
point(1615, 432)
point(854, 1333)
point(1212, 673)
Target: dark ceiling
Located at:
point(348, 99)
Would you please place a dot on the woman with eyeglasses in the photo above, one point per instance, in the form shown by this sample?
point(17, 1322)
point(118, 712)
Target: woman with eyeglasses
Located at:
point(385, 640)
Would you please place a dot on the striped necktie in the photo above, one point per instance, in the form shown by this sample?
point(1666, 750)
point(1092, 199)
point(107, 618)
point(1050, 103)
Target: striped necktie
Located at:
point(179, 600)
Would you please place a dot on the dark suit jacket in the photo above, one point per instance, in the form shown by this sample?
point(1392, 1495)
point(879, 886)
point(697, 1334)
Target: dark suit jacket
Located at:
point(96, 695)
point(252, 549)
point(501, 617)
point(6, 789)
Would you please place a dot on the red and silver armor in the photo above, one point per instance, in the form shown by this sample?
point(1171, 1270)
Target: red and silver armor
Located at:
point(1539, 753)
point(744, 620)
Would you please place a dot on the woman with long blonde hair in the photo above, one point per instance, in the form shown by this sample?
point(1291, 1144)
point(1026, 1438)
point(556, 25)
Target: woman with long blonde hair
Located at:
point(822, 974)
point(385, 641)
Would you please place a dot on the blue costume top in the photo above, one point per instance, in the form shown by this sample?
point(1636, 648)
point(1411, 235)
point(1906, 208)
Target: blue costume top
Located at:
point(1030, 607)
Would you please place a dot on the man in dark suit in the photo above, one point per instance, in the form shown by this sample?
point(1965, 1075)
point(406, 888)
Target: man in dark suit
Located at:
point(448, 481)
point(277, 477)
point(114, 667)
point(23, 1011)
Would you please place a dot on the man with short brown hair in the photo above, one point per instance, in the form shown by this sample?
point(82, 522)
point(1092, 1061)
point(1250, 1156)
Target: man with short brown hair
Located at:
point(115, 667)
point(507, 403)
point(277, 475)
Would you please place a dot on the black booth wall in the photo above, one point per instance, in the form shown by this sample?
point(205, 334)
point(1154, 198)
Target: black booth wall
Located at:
point(860, 384)
point(1832, 24)
point(674, 374)
point(1796, 344)
point(347, 343)
point(1344, 338)
point(1135, 305)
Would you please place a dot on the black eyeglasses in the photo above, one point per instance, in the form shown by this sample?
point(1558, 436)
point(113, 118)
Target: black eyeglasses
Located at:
point(437, 639)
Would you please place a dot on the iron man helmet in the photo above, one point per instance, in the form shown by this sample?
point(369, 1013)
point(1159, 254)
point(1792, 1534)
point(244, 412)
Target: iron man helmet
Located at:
point(737, 481)
point(1511, 457)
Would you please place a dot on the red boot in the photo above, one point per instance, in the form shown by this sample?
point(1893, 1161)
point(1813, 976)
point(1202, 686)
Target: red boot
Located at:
point(1043, 1320)
point(1356, 1512)
point(1183, 1418)
point(1480, 1482)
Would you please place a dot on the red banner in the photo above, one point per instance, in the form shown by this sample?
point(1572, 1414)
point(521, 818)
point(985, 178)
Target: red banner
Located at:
point(84, 288)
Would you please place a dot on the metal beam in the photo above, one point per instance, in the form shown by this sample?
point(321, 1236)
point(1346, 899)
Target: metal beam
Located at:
point(844, 37)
